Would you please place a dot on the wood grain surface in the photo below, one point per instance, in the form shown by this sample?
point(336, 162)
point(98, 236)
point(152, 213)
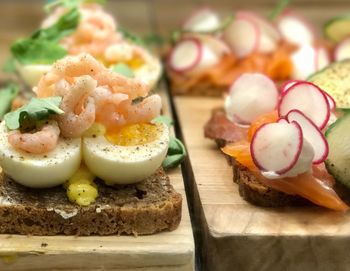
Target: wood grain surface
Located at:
point(239, 236)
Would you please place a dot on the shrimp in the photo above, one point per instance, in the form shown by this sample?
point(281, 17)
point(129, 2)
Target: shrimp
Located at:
point(79, 107)
point(67, 68)
point(40, 142)
point(144, 111)
point(107, 107)
point(120, 84)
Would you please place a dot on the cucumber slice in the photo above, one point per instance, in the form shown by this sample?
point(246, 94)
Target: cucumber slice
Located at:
point(338, 161)
point(335, 80)
point(337, 28)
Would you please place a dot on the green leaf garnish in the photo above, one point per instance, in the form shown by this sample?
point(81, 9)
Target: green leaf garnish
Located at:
point(123, 69)
point(31, 51)
point(70, 3)
point(65, 25)
point(7, 95)
point(26, 117)
point(279, 8)
point(176, 153)
point(42, 47)
point(163, 119)
point(131, 36)
point(10, 65)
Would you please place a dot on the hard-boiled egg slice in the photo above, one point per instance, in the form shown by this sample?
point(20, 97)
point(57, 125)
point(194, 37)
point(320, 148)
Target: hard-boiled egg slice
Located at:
point(129, 156)
point(150, 72)
point(40, 170)
point(32, 73)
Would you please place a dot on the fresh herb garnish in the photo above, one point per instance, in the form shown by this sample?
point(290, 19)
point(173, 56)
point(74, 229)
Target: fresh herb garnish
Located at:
point(176, 151)
point(10, 65)
point(70, 3)
point(163, 119)
point(7, 95)
point(26, 117)
point(42, 47)
point(123, 69)
point(131, 36)
point(279, 8)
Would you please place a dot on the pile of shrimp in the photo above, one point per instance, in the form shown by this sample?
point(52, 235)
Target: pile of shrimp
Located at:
point(90, 93)
point(95, 33)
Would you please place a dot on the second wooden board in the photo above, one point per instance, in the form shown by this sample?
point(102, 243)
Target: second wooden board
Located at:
point(239, 236)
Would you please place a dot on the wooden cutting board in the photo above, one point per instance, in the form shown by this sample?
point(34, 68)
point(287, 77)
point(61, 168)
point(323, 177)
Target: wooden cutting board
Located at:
point(168, 251)
point(236, 235)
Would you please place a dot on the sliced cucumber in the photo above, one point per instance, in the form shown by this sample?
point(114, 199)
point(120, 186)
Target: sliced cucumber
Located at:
point(337, 28)
point(335, 80)
point(338, 161)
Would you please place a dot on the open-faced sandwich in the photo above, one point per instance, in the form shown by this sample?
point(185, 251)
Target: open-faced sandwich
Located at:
point(209, 52)
point(79, 26)
point(276, 142)
point(85, 155)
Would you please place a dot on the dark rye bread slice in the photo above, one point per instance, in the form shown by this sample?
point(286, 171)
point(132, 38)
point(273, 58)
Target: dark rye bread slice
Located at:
point(223, 131)
point(148, 207)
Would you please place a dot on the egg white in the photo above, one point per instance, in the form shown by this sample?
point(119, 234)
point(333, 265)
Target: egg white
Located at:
point(150, 72)
point(32, 73)
point(124, 164)
point(40, 170)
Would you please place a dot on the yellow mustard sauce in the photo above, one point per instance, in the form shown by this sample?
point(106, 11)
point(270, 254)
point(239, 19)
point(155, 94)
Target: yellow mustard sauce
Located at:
point(81, 188)
point(135, 134)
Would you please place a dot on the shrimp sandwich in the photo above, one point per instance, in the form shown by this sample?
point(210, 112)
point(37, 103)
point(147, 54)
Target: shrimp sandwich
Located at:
point(84, 156)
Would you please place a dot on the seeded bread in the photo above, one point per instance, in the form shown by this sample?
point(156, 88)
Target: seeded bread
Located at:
point(148, 207)
point(250, 188)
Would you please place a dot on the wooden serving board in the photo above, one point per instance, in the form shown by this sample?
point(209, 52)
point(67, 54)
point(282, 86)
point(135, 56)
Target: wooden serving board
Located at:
point(236, 235)
point(167, 251)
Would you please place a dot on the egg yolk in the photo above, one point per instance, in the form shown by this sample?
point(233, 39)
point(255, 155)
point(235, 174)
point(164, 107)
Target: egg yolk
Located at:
point(135, 134)
point(96, 129)
point(135, 63)
point(81, 188)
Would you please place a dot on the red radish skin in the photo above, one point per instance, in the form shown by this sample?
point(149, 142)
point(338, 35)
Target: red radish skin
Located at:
point(216, 44)
point(342, 50)
point(234, 38)
point(190, 23)
point(290, 83)
point(269, 34)
point(312, 134)
point(198, 54)
point(294, 37)
point(295, 153)
point(295, 98)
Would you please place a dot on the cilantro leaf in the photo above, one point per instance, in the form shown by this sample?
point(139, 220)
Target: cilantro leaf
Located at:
point(65, 25)
point(163, 119)
point(7, 95)
point(176, 153)
point(42, 47)
point(26, 117)
point(123, 69)
point(131, 36)
point(70, 3)
point(29, 51)
point(279, 8)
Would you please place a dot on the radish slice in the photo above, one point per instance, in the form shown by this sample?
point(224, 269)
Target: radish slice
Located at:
point(288, 84)
point(185, 55)
point(270, 35)
point(312, 134)
point(309, 99)
point(203, 20)
point(322, 58)
point(250, 96)
point(276, 147)
point(282, 120)
point(242, 35)
point(215, 44)
point(342, 51)
point(295, 29)
point(304, 62)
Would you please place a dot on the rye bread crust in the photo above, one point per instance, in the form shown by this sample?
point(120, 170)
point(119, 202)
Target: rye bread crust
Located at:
point(250, 188)
point(148, 207)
